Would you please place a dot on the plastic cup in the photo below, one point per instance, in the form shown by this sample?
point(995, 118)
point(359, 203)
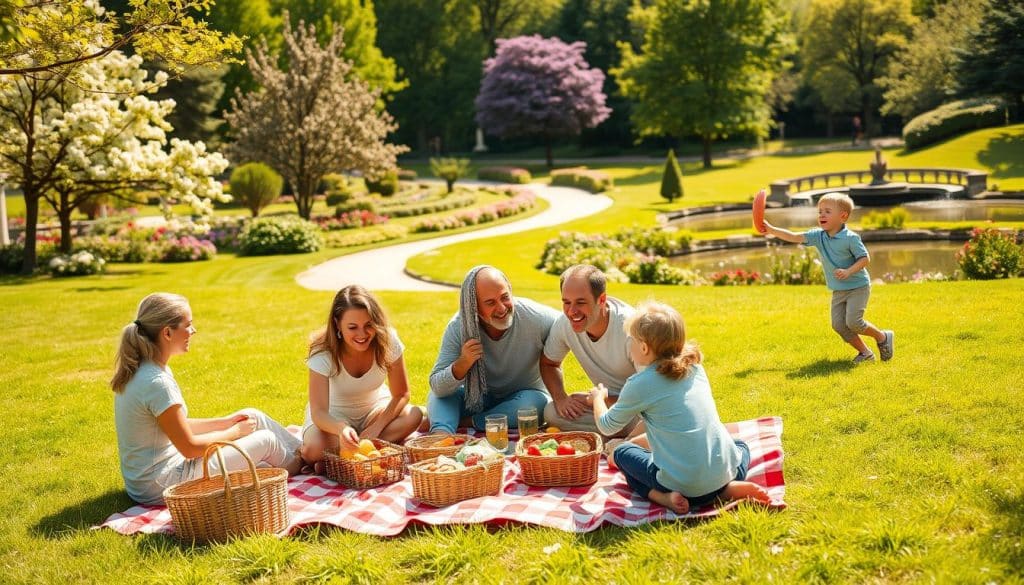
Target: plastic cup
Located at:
point(528, 421)
point(496, 427)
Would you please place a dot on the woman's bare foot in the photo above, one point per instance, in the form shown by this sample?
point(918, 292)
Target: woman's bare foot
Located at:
point(745, 490)
point(674, 501)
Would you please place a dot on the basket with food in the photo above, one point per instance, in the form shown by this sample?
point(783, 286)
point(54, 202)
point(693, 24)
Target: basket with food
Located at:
point(559, 459)
point(430, 446)
point(475, 470)
point(374, 463)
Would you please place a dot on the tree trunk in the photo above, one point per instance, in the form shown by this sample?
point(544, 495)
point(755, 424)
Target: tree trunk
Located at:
point(867, 115)
point(64, 215)
point(65, 231)
point(304, 197)
point(28, 265)
point(706, 150)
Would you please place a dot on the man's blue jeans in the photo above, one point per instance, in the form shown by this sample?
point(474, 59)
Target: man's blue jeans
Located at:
point(445, 413)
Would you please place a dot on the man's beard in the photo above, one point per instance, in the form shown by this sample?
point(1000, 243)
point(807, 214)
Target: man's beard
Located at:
point(502, 324)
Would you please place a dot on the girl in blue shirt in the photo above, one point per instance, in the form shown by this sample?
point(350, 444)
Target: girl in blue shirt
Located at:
point(687, 458)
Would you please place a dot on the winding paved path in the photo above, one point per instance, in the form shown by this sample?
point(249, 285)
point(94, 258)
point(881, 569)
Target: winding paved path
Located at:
point(384, 268)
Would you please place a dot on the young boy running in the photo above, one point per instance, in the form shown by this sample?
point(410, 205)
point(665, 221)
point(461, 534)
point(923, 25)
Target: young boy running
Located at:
point(845, 260)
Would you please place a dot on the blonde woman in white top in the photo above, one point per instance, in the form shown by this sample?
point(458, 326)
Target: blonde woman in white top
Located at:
point(358, 386)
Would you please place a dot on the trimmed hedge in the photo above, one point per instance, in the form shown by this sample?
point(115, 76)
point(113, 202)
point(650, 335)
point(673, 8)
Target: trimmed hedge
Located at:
point(952, 119)
point(279, 235)
point(445, 204)
point(582, 178)
point(386, 184)
point(504, 175)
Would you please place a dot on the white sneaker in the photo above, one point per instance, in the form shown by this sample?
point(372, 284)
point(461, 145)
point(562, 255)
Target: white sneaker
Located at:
point(864, 357)
point(885, 348)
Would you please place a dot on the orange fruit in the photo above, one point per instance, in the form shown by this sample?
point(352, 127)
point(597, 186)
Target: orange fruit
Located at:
point(366, 446)
point(553, 430)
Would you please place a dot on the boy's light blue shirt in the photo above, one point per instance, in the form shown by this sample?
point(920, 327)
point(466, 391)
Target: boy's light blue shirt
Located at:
point(693, 450)
point(839, 251)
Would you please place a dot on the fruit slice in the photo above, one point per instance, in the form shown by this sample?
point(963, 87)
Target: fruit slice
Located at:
point(366, 446)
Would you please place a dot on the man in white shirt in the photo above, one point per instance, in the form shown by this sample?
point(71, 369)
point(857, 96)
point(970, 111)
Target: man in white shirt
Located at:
point(592, 326)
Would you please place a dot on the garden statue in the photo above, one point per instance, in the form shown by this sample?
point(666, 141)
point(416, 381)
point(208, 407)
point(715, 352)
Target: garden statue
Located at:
point(879, 168)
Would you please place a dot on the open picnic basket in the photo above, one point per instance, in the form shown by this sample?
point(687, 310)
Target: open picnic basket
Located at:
point(560, 470)
point(426, 447)
point(441, 489)
point(387, 468)
point(213, 509)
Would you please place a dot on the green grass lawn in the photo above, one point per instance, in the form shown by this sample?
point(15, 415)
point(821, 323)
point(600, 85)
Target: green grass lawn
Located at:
point(902, 471)
point(906, 471)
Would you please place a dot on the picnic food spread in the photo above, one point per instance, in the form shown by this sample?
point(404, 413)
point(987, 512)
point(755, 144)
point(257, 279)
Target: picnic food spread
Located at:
point(472, 454)
point(552, 448)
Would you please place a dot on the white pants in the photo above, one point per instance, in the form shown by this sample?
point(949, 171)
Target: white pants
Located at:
point(270, 445)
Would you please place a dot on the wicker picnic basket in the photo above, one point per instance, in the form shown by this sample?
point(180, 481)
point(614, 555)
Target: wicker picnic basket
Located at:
point(369, 473)
point(562, 470)
point(441, 489)
point(213, 509)
point(422, 448)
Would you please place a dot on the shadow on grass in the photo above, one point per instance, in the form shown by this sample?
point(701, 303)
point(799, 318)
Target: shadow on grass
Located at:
point(749, 371)
point(1004, 154)
point(822, 368)
point(84, 289)
point(82, 515)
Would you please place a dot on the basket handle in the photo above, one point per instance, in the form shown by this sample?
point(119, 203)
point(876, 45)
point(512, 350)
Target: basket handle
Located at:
point(216, 448)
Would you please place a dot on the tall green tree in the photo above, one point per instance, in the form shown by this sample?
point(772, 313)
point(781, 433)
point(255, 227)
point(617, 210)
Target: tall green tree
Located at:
point(61, 36)
point(923, 73)
point(847, 45)
point(704, 69)
point(437, 49)
point(358, 22)
point(502, 19)
point(993, 60)
point(196, 94)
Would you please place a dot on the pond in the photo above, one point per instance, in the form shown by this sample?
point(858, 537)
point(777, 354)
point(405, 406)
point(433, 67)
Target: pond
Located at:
point(886, 257)
point(802, 218)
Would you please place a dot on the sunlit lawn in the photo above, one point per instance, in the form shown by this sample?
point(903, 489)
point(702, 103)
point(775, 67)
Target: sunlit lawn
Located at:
point(906, 471)
point(902, 471)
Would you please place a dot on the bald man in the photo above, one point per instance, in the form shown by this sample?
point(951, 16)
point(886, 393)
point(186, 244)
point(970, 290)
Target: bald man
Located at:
point(508, 333)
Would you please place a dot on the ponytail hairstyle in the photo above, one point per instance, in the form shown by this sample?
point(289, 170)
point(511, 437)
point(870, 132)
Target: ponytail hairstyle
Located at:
point(329, 339)
point(138, 338)
point(662, 329)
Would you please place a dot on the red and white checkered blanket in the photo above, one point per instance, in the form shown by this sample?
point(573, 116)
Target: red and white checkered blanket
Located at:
point(387, 510)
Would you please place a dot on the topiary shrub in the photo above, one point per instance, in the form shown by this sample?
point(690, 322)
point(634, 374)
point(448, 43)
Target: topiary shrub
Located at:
point(287, 234)
point(504, 175)
point(336, 189)
point(671, 178)
point(991, 253)
point(385, 185)
point(255, 185)
point(952, 119)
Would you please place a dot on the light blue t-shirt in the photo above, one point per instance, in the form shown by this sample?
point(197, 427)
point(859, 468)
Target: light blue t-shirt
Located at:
point(512, 363)
point(693, 450)
point(839, 251)
point(149, 461)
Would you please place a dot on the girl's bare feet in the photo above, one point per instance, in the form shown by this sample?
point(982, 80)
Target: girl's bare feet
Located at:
point(744, 490)
point(674, 501)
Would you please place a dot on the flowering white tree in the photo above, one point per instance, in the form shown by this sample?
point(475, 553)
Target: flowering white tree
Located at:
point(68, 141)
point(313, 118)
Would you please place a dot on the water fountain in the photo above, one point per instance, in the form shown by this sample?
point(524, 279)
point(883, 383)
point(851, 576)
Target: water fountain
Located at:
point(880, 189)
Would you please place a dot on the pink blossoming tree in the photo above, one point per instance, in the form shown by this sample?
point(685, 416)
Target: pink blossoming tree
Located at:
point(541, 88)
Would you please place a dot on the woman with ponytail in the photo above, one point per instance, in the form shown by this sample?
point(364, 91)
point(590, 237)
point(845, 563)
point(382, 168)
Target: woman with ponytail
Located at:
point(686, 459)
point(159, 444)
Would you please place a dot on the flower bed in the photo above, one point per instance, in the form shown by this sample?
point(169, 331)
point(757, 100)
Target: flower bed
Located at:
point(517, 204)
